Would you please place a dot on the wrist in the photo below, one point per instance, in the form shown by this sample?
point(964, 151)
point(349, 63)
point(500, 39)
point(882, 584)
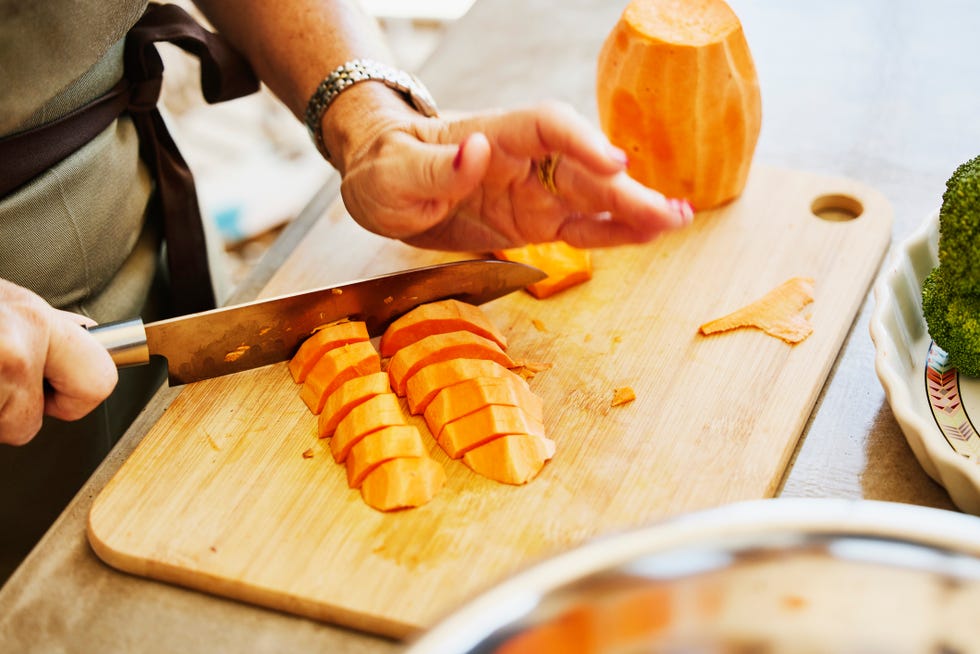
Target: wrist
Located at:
point(356, 101)
point(355, 121)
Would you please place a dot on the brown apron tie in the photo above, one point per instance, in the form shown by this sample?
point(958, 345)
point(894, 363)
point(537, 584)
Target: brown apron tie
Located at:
point(225, 75)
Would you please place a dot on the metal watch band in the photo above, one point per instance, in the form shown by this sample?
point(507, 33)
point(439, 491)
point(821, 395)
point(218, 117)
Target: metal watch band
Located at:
point(362, 70)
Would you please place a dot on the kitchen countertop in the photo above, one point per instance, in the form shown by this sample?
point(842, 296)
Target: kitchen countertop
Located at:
point(882, 91)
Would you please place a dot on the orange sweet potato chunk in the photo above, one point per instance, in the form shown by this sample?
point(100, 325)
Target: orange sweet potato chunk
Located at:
point(403, 483)
point(462, 399)
point(347, 396)
point(777, 313)
point(323, 339)
point(441, 347)
point(482, 426)
point(371, 415)
point(334, 368)
point(438, 318)
point(423, 386)
point(511, 459)
point(380, 446)
point(565, 265)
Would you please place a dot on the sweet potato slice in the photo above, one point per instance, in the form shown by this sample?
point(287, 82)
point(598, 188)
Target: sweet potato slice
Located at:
point(424, 385)
point(323, 339)
point(512, 459)
point(347, 396)
point(482, 426)
point(441, 347)
point(462, 399)
point(380, 446)
point(371, 415)
point(777, 313)
point(565, 265)
point(438, 318)
point(334, 368)
point(403, 483)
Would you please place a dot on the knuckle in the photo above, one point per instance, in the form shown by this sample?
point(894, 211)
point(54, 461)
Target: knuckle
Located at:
point(555, 109)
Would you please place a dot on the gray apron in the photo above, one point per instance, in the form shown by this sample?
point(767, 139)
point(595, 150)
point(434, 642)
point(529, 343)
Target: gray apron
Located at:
point(76, 235)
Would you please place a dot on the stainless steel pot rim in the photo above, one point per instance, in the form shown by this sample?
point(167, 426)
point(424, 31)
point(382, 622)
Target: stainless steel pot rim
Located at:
point(768, 521)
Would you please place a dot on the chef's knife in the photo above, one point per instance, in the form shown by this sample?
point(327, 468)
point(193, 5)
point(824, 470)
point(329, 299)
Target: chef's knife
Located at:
point(222, 341)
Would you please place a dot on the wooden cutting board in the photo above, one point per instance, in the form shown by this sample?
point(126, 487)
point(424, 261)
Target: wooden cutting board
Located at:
point(219, 497)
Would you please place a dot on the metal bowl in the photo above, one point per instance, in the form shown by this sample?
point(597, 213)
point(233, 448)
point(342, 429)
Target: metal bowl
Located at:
point(782, 575)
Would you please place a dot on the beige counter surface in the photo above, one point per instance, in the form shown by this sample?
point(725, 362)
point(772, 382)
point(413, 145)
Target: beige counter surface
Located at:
point(881, 91)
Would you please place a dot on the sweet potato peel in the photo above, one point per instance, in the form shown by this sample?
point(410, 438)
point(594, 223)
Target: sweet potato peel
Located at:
point(777, 313)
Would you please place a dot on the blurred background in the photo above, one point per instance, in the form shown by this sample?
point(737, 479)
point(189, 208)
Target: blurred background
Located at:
point(253, 162)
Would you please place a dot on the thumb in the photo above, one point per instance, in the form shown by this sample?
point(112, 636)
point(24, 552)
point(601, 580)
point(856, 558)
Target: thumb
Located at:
point(454, 172)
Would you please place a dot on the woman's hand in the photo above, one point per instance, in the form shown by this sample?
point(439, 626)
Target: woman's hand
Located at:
point(41, 344)
point(472, 183)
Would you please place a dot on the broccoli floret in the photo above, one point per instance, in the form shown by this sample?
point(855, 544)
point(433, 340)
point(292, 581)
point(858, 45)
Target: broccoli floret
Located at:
point(934, 296)
point(951, 292)
point(954, 321)
point(959, 227)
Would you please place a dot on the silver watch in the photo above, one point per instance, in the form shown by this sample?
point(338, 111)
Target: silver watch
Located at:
point(362, 70)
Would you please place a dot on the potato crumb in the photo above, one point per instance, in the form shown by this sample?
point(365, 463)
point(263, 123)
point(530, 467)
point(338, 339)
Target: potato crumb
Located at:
point(389, 300)
point(528, 369)
point(539, 325)
point(623, 395)
point(308, 454)
point(337, 291)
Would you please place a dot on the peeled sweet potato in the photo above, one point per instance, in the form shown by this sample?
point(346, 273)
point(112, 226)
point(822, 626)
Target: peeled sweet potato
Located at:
point(347, 396)
point(380, 446)
point(438, 318)
point(482, 426)
point(441, 347)
point(424, 385)
point(565, 265)
point(512, 459)
point(325, 338)
point(371, 415)
point(470, 395)
point(677, 89)
point(403, 483)
point(334, 368)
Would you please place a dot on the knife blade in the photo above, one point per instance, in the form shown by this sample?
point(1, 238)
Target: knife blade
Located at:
point(231, 339)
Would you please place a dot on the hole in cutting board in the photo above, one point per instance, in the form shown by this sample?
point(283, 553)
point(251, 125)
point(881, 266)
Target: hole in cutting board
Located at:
point(836, 207)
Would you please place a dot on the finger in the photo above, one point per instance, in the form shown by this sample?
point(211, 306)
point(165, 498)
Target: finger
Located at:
point(78, 369)
point(597, 231)
point(556, 127)
point(21, 387)
point(627, 202)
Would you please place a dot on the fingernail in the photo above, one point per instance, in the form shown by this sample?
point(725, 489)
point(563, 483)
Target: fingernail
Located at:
point(458, 159)
point(618, 155)
point(681, 207)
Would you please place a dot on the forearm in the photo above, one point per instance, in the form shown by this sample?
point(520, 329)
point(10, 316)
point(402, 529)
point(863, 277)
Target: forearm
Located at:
point(293, 45)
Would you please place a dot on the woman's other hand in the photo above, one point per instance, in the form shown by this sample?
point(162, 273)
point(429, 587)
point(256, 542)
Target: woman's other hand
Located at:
point(49, 365)
point(472, 182)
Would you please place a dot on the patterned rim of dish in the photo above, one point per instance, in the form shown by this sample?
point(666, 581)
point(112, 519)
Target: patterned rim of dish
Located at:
point(942, 386)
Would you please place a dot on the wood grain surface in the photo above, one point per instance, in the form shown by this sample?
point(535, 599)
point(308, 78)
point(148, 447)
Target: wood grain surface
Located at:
point(219, 497)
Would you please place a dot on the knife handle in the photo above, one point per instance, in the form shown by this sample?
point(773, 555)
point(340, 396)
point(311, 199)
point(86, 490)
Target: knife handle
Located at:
point(125, 340)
